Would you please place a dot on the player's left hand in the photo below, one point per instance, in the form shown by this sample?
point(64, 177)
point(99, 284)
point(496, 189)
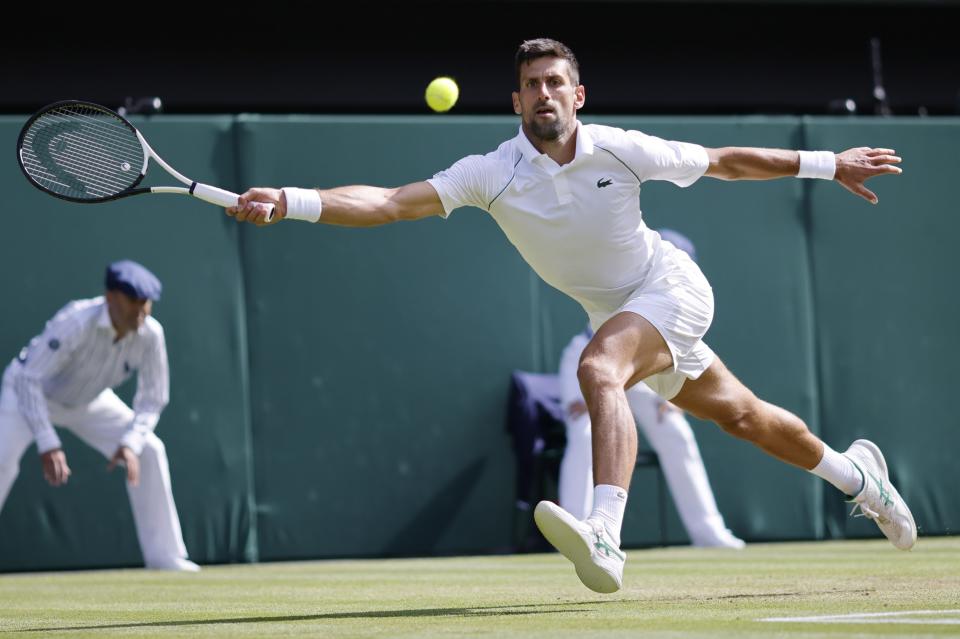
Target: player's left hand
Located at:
point(856, 166)
point(128, 459)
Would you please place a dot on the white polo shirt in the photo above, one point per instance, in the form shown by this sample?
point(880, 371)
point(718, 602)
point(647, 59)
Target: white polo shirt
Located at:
point(76, 358)
point(579, 225)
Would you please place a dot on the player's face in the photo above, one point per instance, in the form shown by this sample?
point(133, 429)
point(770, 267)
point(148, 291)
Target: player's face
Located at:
point(547, 101)
point(127, 313)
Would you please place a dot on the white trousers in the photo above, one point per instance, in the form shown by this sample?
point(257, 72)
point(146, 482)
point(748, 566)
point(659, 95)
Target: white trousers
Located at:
point(669, 434)
point(101, 424)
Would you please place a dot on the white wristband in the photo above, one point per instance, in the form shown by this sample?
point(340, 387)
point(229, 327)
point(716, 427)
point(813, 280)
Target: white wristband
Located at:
point(303, 204)
point(817, 164)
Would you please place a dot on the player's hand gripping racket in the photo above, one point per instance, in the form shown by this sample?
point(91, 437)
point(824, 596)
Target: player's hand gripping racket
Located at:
point(83, 152)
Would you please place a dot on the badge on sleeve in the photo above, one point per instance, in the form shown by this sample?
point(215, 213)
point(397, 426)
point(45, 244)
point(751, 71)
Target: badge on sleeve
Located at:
point(54, 344)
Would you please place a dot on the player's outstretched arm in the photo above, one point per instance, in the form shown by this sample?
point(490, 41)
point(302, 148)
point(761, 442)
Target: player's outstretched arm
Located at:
point(343, 206)
point(851, 168)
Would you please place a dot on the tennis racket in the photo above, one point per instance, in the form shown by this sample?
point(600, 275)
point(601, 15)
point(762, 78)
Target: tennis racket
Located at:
point(83, 152)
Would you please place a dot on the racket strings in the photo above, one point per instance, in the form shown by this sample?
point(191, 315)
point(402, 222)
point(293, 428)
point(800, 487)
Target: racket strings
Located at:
point(82, 152)
point(82, 165)
point(96, 153)
point(74, 161)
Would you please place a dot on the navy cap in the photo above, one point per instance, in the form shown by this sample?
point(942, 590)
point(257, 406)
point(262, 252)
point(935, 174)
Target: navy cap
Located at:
point(679, 240)
point(133, 280)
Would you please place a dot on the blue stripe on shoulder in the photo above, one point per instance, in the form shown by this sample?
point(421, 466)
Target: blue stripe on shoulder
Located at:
point(512, 175)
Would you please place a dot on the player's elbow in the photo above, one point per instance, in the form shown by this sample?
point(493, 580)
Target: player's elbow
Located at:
point(392, 208)
point(724, 164)
point(406, 213)
point(400, 208)
point(410, 202)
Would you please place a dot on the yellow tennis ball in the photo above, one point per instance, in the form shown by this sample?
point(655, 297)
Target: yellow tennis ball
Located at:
point(442, 94)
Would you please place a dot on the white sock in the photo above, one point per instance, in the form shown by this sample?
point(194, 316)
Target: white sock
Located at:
point(839, 471)
point(608, 505)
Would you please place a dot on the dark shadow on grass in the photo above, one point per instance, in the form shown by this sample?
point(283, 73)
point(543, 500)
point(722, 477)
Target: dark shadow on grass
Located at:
point(764, 595)
point(478, 611)
point(488, 611)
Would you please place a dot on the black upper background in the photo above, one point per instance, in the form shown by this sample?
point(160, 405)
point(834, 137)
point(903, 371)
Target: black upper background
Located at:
point(671, 58)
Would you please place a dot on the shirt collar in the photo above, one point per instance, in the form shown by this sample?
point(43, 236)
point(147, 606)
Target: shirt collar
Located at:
point(526, 148)
point(103, 321)
point(584, 145)
point(584, 141)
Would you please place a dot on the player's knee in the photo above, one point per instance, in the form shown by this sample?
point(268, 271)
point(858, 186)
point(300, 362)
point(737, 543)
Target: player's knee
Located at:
point(596, 374)
point(741, 420)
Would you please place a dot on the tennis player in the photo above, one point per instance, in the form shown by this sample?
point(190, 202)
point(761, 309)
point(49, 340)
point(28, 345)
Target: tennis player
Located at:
point(567, 196)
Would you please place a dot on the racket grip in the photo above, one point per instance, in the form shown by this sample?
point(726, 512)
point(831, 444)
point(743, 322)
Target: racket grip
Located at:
point(220, 197)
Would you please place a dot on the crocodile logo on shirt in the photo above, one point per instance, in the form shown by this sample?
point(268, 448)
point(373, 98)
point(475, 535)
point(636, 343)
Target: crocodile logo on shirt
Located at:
point(602, 182)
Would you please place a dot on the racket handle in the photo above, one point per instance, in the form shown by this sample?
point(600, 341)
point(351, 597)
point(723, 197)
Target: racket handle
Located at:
point(220, 197)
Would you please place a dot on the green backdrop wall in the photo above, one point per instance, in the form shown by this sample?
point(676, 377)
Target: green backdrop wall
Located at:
point(53, 251)
point(342, 392)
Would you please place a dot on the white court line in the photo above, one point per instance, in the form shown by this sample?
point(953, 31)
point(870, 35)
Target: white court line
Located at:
point(877, 617)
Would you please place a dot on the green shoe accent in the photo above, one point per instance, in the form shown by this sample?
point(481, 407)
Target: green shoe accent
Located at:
point(884, 493)
point(602, 545)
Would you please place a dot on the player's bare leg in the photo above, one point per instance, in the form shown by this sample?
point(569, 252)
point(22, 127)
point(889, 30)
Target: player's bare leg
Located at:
point(626, 349)
point(861, 471)
point(720, 397)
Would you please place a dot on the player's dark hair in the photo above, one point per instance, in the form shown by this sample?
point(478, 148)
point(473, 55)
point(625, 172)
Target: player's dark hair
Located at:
point(543, 48)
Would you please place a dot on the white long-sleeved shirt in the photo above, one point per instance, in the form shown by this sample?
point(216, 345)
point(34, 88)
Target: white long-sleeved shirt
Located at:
point(77, 357)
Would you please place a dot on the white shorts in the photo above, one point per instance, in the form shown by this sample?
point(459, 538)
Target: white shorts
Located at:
point(677, 299)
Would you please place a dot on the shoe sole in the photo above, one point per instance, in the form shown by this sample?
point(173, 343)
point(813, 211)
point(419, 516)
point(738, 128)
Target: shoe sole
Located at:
point(559, 528)
point(878, 456)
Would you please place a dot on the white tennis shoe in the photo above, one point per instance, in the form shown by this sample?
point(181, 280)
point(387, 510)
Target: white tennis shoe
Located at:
point(598, 560)
point(878, 499)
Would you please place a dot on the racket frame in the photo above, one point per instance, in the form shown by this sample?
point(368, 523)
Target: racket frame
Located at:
point(205, 192)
